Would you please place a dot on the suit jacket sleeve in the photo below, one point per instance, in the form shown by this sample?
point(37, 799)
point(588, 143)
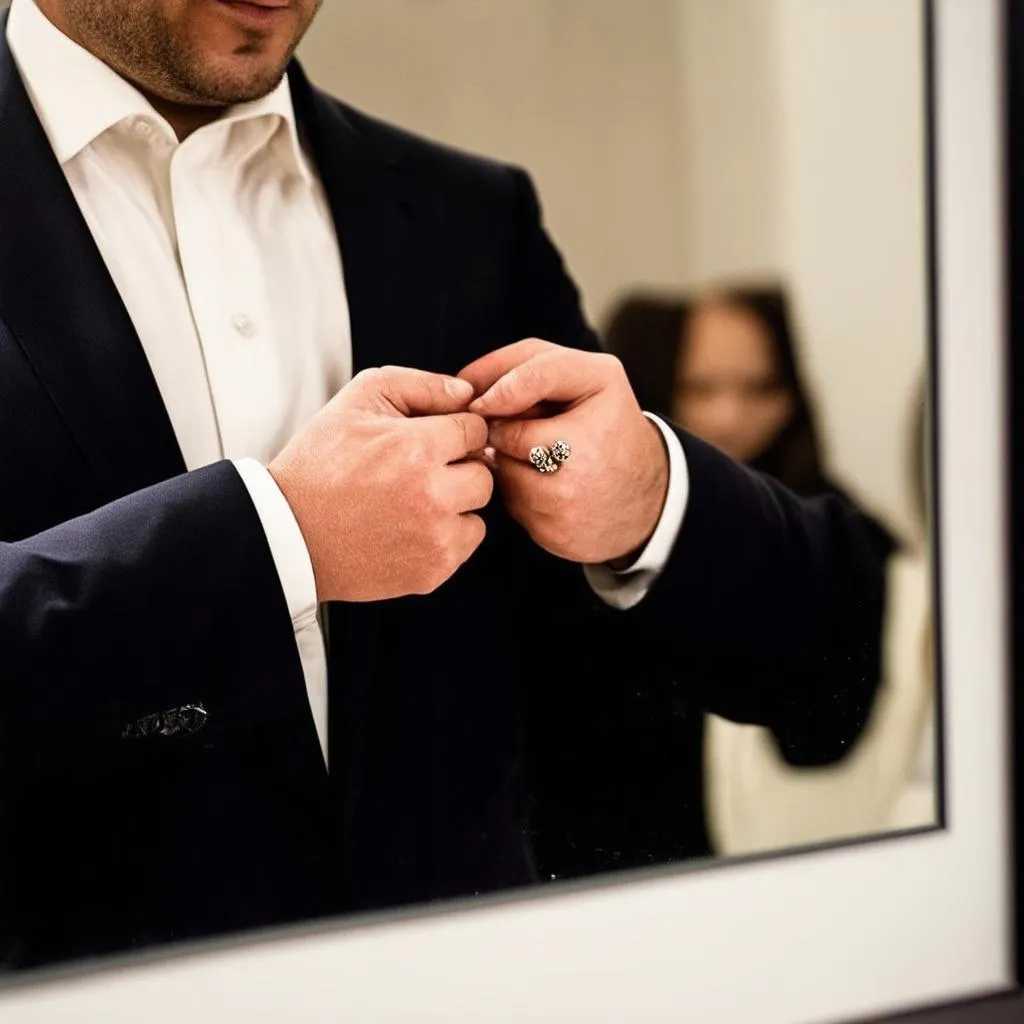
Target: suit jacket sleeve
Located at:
point(165, 597)
point(769, 609)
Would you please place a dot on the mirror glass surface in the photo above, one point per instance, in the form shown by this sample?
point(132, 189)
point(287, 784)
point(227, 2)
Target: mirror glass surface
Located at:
point(739, 192)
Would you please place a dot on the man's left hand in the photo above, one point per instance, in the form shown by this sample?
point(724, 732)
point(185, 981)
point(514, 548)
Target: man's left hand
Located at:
point(604, 502)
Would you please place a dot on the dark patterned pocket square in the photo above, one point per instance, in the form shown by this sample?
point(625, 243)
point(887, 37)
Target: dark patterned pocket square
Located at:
point(183, 721)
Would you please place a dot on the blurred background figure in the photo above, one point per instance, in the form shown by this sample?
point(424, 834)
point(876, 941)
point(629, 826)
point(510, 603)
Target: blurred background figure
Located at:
point(756, 801)
point(724, 366)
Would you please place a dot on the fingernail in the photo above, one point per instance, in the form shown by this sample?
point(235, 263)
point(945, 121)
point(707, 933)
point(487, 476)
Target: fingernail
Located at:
point(458, 388)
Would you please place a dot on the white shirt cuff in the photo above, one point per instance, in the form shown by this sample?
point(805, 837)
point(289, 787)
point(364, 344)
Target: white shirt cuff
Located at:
point(287, 546)
point(623, 589)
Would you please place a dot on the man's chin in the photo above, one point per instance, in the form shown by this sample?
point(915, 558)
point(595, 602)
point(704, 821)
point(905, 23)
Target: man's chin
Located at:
point(227, 91)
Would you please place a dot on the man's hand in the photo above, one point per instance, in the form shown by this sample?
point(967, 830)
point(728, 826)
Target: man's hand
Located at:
point(604, 503)
point(378, 488)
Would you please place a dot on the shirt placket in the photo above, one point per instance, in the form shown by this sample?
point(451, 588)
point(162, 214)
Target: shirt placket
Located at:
point(224, 278)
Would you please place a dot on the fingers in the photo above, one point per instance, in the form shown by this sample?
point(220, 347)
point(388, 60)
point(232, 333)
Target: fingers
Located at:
point(488, 369)
point(527, 493)
point(555, 375)
point(470, 535)
point(453, 437)
point(486, 457)
point(467, 486)
point(516, 438)
point(414, 392)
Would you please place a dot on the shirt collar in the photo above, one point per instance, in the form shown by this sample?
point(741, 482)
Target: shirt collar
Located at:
point(78, 98)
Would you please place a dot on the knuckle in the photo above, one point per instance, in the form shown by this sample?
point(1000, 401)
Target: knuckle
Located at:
point(434, 502)
point(477, 429)
point(417, 480)
point(417, 464)
point(435, 565)
point(529, 374)
point(506, 386)
point(471, 534)
point(430, 390)
point(478, 535)
point(444, 563)
point(451, 561)
point(487, 485)
point(611, 364)
point(522, 436)
point(428, 584)
point(432, 579)
point(369, 378)
point(482, 489)
point(481, 530)
point(417, 451)
point(540, 345)
point(373, 382)
point(434, 583)
point(512, 434)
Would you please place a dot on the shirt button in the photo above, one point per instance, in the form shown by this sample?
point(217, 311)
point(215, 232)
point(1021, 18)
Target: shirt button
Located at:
point(243, 325)
point(142, 130)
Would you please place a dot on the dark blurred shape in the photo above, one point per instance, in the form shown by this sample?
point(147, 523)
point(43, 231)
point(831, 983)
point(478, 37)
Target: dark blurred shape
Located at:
point(648, 333)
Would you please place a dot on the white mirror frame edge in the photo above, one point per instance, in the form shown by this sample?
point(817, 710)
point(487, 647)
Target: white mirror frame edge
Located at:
point(828, 935)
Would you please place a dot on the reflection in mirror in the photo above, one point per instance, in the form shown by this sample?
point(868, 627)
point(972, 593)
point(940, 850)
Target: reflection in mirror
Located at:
point(284, 639)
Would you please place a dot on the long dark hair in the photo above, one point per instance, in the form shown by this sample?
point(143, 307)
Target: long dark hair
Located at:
point(648, 334)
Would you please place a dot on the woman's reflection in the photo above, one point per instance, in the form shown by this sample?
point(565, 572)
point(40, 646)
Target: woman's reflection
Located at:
point(724, 366)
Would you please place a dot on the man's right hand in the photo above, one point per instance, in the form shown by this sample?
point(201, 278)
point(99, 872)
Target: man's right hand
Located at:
point(378, 488)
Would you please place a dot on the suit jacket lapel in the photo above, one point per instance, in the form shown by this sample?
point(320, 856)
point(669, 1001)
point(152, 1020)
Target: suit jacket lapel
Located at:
point(62, 306)
point(387, 230)
point(389, 233)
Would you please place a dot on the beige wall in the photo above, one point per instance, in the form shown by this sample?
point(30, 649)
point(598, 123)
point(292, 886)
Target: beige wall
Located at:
point(584, 93)
point(729, 123)
point(683, 141)
point(852, 206)
point(803, 130)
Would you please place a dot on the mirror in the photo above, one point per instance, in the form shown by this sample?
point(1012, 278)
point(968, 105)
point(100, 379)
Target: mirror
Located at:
point(739, 192)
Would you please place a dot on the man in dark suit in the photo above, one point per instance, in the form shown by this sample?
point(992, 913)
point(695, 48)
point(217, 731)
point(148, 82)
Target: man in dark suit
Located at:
point(260, 663)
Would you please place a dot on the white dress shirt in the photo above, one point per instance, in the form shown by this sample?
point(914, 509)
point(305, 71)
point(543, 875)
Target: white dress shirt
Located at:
point(224, 253)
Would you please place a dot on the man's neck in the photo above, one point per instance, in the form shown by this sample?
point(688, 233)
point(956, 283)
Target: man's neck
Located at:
point(183, 118)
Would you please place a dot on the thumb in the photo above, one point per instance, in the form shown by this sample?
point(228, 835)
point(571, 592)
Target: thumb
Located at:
point(412, 392)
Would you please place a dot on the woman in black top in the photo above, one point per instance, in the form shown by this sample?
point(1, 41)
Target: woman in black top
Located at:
point(725, 368)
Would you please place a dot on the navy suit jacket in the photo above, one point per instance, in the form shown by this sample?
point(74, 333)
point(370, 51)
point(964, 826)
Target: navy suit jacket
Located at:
point(506, 728)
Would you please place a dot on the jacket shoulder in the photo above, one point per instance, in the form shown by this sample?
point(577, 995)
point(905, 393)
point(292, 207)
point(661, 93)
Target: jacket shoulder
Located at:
point(438, 163)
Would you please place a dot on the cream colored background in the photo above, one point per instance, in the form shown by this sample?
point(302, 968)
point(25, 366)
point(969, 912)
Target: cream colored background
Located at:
point(683, 141)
